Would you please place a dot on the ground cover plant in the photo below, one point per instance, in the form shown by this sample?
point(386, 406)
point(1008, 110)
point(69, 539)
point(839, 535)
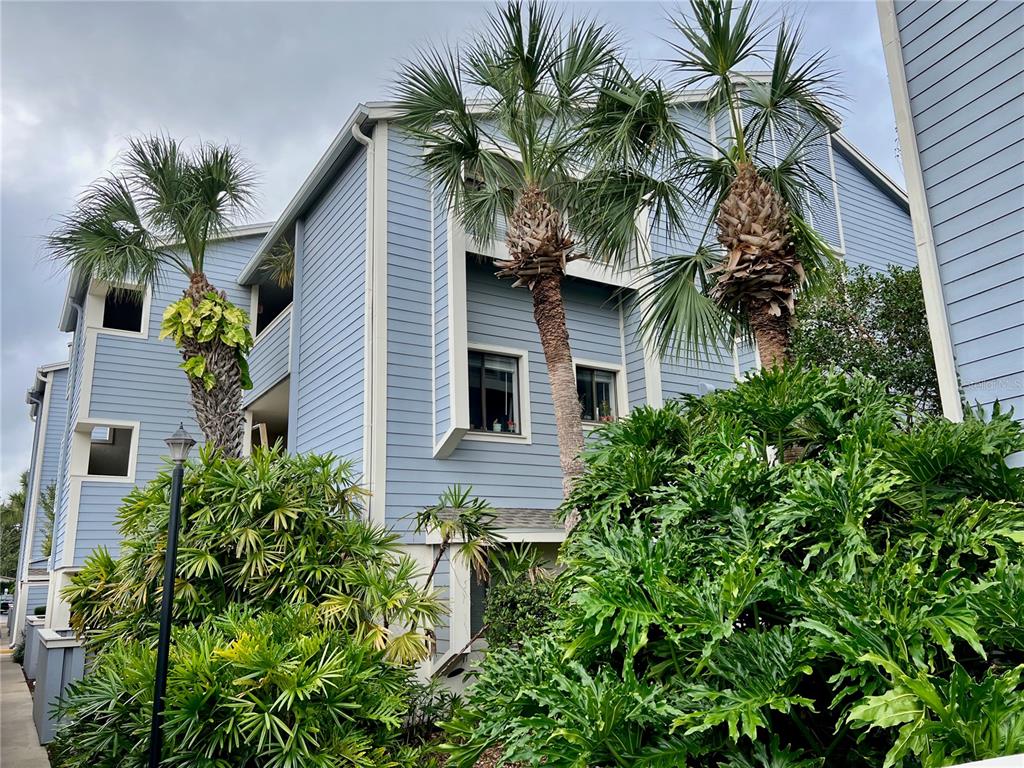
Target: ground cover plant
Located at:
point(785, 574)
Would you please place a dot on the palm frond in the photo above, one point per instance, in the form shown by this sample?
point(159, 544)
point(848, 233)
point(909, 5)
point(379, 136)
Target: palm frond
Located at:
point(279, 264)
point(678, 317)
point(795, 93)
point(106, 238)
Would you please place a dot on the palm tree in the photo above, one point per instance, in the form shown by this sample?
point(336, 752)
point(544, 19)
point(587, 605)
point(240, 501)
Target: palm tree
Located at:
point(160, 209)
point(752, 189)
point(506, 127)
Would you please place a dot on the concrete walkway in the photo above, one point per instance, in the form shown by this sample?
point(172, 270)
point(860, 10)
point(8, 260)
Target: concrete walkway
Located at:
point(19, 745)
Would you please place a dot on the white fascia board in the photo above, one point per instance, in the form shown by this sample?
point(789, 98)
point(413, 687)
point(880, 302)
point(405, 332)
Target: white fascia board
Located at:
point(343, 142)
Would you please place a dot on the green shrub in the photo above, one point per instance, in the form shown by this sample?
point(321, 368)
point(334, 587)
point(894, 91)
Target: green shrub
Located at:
point(245, 689)
point(18, 653)
point(800, 576)
point(518, 609)
point(266, 531)
point(859, 319)
point(39, 610)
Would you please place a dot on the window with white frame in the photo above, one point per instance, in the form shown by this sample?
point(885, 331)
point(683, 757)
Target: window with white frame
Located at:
point(110, 450)
point(122, 309)
point(494, 393)
point(596, 391)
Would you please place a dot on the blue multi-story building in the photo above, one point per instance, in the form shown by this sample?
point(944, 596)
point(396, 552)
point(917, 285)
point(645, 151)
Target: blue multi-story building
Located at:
point(956, 70)
point(396, 348)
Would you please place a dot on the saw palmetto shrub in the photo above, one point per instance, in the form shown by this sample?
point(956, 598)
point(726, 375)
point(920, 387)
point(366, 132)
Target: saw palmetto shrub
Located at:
point(787, 574)
point(245, 688)
point(270, 530)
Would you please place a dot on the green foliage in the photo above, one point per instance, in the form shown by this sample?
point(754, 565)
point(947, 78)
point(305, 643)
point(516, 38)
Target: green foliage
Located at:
point(18, 653)
point(269, 530)
point(47, 502)
point(39, 610)
point(873, 322)
point(459, 517)
point(213, 318)
point(522, 600)
point(791, 573)
point(246, 688)
point(161, 207)
point(12, 513)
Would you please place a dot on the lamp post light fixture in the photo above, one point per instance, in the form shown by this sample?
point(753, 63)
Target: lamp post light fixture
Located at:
point(180, 443)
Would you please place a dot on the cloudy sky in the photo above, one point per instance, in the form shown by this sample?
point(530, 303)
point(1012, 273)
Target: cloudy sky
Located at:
point(276, 78)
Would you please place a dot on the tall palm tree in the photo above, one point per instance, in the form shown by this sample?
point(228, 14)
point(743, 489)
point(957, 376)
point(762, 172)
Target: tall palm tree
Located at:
point(506, 127)
point(160, 209)
point(752, 189)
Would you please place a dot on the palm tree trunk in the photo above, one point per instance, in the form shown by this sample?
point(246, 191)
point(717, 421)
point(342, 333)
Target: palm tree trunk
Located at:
point(771, 332)
point(549, 314)
point(219, 409)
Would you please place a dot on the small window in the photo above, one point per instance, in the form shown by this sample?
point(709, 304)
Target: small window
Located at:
point(122, 310)
point(111, 456)
point(494, 393)
point(596, 390)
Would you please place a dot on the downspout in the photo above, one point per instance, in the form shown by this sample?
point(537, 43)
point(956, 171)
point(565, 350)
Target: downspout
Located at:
point(369, 388)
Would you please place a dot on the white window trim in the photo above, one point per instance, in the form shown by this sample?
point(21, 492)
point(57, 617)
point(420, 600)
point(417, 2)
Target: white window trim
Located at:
point(94, 309)
point(82, 441)
point(525, 436)
point(621, 386)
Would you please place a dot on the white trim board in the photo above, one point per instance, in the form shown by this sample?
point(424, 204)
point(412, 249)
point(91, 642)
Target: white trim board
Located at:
point(931, 282)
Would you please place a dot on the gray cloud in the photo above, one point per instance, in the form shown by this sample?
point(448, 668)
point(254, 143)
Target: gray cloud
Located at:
point(275, 78)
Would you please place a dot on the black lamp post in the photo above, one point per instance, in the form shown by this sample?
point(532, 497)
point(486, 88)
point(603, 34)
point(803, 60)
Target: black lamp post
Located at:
point(180, 443)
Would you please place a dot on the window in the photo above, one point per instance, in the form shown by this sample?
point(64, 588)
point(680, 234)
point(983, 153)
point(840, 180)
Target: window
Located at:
point(596, 390)
point(122, 310)
point(110, 450)
point(493, 393)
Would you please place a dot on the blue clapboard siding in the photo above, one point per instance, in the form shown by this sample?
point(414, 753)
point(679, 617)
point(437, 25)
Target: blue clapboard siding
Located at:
point(270, 358)
point(507, 473)
point(74, 388)
point(329, 411)
point(876, 228)
point(49, 466)
point(36, 597)
point(633, 346)
point(331, 365)
point(442, 363)
point(964, 65)
point(141, 379)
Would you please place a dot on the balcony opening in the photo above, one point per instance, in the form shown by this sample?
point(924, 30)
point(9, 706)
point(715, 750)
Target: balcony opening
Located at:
point(122, 309)
point(270, 418)
point(271, 301)
point(110, 450)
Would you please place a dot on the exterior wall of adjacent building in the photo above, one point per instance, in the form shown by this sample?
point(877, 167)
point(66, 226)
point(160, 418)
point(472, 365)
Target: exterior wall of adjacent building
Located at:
point(128, 380)
point(50, 411)
point(956, 70)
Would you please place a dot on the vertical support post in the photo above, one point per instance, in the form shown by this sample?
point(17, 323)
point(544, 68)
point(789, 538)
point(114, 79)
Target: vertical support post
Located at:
point(167, 601)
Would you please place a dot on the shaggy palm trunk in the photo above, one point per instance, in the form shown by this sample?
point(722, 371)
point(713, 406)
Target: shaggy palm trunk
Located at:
point(219, 409)
point(761, 269)
point(539, 249)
